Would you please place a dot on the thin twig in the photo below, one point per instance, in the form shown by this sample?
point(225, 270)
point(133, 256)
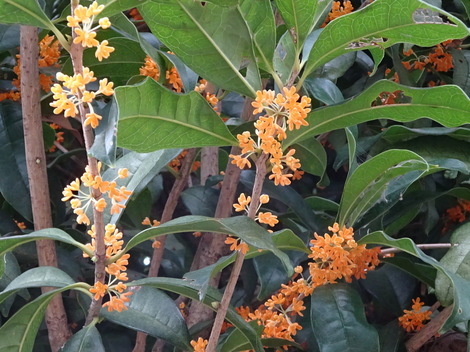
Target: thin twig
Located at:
point(56, 318)
point(234, 275)
point(170, 206)
point(424, 247)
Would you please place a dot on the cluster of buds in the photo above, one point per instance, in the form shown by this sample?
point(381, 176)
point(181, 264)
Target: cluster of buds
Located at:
point(81, 200)
point(282, 112)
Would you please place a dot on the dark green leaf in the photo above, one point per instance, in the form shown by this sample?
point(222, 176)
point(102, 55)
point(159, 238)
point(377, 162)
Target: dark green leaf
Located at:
point(188, 289)
point(240, 226)
point(151, 118)
point(9, 36)
point(447, 105)
point(368, 183)
point(14, 183)
point(312, 156)
point(87, 339)
point(323, 90)
point(154, 313)
point(180, 24)
point(381, 25)
point(461, 287)
point(339, 322)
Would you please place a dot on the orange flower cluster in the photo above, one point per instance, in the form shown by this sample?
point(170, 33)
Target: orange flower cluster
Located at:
point(115, 287)
point(59, 137)
point(413, 319)
point(211, 98)
point(438, 58)
point(82, 24)
point(283, 111)
point(150, 69)
point(153, 223)
point(73, 93)
point(338, 9)
point(333, 257)
point(175, 164)
point(199, 345)
point(456, 214)
point(135, 14)
point(82, 200)
point(49, 54)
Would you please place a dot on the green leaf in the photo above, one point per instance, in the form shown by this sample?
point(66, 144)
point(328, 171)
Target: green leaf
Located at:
point(27, 12)
point(19, 332)
point(284, 240)
point(9, 270)
point(339, 322)
point(123, 62)
point(312, 156)
point(154, 313)
point(240, 226)
point(461, 287)
point(352, 147)
point(260, 18)
point(37, 277)
point(399, 133)
point(299, 17)
point(113, 7)
point(391, 337)
point(367, 185)
point(14, 184)
point(142, 168)
point(284, 57)
point(151, 118)
point(461, 60)
point(187, 288)
point(9, 36)
point(323, 90)
point(447, 105)
point(456, 260)
point(88, 339)
point(381, 25)
point(9, 243)
point(180, 24)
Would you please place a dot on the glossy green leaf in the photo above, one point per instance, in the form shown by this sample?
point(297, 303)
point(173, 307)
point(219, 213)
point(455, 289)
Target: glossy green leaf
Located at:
point(461, 61)
point(122, 63)
point(9, 270)
point(9, 36)
point(14, 184)
point(19, 332)
point(154, 313)
point(284, 57)
point(399, 133)
point(447, 105)
point(339, 322)
point(180, 24)
point(299, 17)
point(151, 118)
point(367, 184)
point(260, 18)
point(240, 226)
point(113, 7)
point(285, 240)
point(9, 243)
point(188, 289)
point(142, 168)
point(381, 25)
point(391, 337)
point(323, 90)
point(352, 150)
point(456, 260)
point(312, 156)
point(88, 339)
point(461, 287)
point(26, 12)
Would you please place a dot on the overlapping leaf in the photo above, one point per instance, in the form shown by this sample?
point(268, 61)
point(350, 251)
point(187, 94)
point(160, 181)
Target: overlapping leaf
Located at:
point(152, 118)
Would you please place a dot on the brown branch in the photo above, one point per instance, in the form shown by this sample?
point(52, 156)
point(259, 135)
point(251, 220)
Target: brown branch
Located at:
point(76, 54)
point(237, 266)
point(56, 318)
point(170, 206)
point(428, 331)
point(212, 246)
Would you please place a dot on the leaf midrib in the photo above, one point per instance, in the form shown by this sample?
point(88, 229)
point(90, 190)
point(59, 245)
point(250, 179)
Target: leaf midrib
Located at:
point(337, 117)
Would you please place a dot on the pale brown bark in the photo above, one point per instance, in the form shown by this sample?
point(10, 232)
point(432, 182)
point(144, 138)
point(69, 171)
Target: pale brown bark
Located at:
point(167, 215)
point(56, 318)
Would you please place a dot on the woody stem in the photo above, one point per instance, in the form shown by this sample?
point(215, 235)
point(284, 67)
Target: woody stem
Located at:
point(237, 266)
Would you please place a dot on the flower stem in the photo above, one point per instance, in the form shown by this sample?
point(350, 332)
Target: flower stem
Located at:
point(237, 266)
point(420, 246)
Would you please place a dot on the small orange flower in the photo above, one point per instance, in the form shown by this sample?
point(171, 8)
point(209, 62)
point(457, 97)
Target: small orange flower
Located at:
point(413, 320)
point(99, 289)
point(199, 345)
